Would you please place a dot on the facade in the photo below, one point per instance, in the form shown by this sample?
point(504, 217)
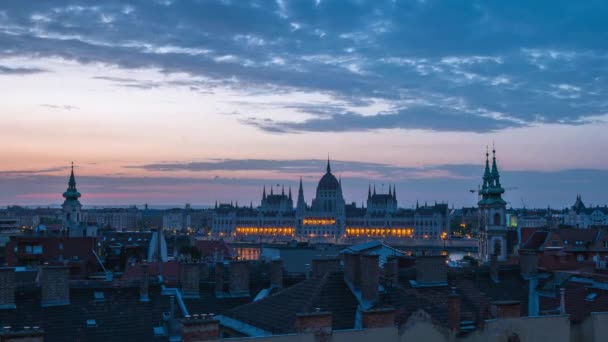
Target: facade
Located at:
point(329, 218)
point(581, 216)
point(492, 208)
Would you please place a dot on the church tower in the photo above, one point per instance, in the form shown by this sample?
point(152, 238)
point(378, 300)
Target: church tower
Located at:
point(492, 210)
point(71, 208)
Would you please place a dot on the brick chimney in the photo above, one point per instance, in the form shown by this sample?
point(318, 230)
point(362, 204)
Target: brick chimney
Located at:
point(318, 323)
point(320, 266)
point(378, 318)
point(54, 281)
point(219, 278)
point(391, 270)
point(431, 270)
point(494, 274)
point(144, 283)
point(369, 278)
point(200, 328)
point(352, 269)
point(528, 263)
point(26, 334)
point(7, 288)
point(505, 309)
point(454, 311)
point(190, 279)
point(276, 274)
point(239, 278)
point(562, 300)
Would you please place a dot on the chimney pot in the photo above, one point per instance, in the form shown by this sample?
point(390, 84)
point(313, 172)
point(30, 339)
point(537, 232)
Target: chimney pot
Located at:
point(320, 266)
point(54, 281)
point(276, 274)
point(454, 312)
point(239, 278)
point(7, 288)
point(190, 279)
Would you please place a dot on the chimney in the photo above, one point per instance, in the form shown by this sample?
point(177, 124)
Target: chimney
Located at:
point(562, 300)
point(320, 266)
point(7, 288)
point(454, 311)
point(144, 283)
point(276, 274)
point(318, 323)
point(54, 281)
point(378, 318)
point(505, 309)
point(352, 269)
point(494, 268)
point(190, 279)
point(431, 270)
point(528, 263)
point(29, 334)
point(219, 278)
point(369, 279)
point(239, 278)
point(391, 270)
point(200, 328)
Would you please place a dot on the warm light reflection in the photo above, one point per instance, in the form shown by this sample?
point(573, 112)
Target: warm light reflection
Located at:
point(385, 232)
point(318, 221)
point(268, 231)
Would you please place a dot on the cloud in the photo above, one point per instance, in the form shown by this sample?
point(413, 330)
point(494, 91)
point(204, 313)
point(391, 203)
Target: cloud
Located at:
point(442, 183)
point(63, 107)
point(4, 70)
point(495, 58)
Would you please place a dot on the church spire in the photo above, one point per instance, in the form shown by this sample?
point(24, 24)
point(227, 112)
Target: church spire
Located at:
point(301, 204)
point(369, 191)
point(71, 193)
point(486, 174)
point(264, 193)
point(374, 189)
point(495, 174)
point(283, 190)
point(290, 193)
point(328, 165)
point(394, 191)
point(390, 191)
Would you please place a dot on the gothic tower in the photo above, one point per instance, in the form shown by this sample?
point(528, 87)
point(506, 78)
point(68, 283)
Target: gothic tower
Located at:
point(71, 208)
point(492, 210)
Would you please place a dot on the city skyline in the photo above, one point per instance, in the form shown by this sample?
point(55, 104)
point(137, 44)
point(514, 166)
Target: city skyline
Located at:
point(160, 102)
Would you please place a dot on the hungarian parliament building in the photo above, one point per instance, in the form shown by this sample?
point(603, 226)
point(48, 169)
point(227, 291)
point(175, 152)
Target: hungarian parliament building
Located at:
point(328, 217)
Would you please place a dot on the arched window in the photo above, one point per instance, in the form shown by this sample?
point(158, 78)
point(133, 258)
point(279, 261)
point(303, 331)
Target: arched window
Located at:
point(497, 247)
point(497, 219)
point(67, 216)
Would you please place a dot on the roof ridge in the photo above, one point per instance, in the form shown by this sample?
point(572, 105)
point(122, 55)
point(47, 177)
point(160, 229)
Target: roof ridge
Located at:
point(314, 296)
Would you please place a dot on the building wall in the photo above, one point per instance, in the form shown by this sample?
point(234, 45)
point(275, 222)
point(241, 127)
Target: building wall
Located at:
point(420, 328)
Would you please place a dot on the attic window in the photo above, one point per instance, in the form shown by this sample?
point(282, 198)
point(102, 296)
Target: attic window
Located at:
point(91, 323)
point(590, 297)
point(99, 296)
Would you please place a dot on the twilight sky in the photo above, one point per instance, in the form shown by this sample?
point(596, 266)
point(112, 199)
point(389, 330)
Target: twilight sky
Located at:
point(168, 102)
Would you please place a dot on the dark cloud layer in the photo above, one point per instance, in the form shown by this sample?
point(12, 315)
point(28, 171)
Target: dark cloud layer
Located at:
point(474, 66)
point(530, 188)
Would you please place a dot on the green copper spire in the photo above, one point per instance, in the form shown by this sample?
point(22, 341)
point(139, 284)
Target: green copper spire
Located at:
point(495, 174)
point(71, 194)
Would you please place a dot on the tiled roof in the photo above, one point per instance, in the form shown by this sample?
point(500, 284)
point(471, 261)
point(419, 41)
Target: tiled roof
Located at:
point(476, 289)
point(277, 313)
point(119, 317)
point(536, 241)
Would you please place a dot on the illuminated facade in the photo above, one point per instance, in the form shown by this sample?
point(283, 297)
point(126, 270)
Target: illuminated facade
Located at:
point(329, 218)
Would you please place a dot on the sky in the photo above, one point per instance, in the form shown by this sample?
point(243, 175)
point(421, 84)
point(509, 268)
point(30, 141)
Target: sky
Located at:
point(173, 102)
